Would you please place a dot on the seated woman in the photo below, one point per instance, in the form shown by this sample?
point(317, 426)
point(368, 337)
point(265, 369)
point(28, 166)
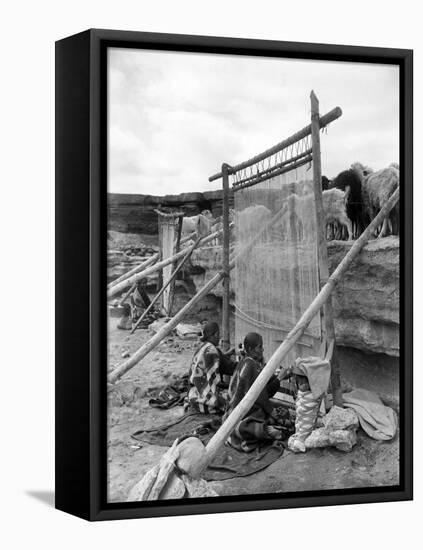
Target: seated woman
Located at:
point(207, 366)
point(257, 426)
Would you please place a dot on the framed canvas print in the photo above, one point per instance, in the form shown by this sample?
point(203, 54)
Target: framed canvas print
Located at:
point(234, 274)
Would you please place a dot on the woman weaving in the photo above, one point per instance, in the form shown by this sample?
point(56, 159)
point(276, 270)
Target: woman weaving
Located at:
point(208, 364)
point(257, 426)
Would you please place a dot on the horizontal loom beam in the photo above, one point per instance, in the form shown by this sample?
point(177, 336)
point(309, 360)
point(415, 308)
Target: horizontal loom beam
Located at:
point(323, 122)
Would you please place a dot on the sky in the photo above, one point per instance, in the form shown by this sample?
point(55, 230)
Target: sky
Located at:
point(174, 118)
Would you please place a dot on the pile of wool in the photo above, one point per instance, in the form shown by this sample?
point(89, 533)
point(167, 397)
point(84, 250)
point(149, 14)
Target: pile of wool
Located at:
point(339, 430)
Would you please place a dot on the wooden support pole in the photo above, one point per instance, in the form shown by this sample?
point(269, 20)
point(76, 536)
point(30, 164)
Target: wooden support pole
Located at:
point(188, 238)
point(119, 287)
point(134, 270)
point(328, 326)
point(172, 278)
point(225, 262)
point(250, 398)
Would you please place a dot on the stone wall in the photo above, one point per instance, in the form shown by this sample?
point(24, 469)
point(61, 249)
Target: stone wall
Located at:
point(366, 302)
point(135, 213)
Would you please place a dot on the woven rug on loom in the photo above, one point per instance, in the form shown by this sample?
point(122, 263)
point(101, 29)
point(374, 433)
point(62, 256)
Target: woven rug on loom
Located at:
point(229, 463)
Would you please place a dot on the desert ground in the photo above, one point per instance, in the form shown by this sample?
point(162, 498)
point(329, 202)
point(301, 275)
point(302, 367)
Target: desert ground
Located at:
point(371, 463)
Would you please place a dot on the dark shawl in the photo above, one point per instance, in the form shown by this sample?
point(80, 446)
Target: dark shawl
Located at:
point(251, 430)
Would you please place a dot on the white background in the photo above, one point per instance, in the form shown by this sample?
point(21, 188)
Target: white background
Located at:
point(28, 32)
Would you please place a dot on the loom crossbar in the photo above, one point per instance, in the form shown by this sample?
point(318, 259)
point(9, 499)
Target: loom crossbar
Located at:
point(261, 177)
point(323, 122)
point(270, 172)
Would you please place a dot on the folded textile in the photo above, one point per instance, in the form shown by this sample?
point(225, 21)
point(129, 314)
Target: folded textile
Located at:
point(317, 371)
point(168, 396)
point(377, 420)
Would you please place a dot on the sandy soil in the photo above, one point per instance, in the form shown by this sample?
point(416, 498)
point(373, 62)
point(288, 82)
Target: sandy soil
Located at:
point(371, 463)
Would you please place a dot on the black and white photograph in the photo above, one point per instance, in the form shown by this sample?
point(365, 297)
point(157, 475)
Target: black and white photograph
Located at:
point(210, 212)
point(253, 275)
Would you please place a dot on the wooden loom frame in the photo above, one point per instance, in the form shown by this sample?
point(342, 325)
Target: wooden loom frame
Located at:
point(81, 282)
point(313, 155)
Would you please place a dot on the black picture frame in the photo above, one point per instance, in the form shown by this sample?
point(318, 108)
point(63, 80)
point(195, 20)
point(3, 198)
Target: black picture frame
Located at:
point(81, 216)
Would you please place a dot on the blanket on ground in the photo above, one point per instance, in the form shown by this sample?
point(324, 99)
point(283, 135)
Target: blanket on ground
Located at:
point(229, 463)
point(377, 420)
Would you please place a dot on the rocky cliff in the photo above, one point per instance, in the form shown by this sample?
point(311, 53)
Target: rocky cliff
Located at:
point(366, 301)
point(135, 213)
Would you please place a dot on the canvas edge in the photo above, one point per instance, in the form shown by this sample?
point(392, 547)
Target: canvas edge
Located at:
point(72, 366)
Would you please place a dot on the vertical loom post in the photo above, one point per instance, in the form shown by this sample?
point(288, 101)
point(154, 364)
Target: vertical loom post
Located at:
point(328, 325)
point(294, 263)
point(225, 260)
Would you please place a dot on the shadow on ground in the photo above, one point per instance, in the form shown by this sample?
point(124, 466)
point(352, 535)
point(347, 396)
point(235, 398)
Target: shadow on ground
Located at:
point(46, 497)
